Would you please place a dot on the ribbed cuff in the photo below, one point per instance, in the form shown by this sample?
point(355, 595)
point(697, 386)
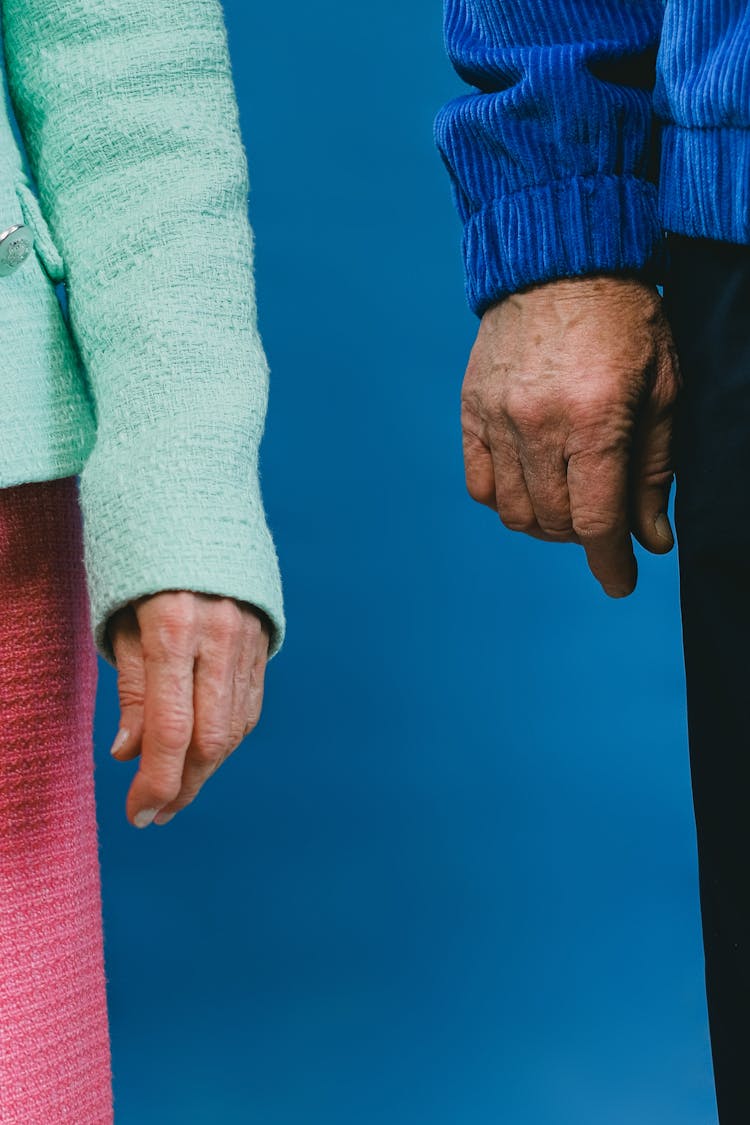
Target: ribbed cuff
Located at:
point(588, 224)
point(705, 183)
point(165, 516)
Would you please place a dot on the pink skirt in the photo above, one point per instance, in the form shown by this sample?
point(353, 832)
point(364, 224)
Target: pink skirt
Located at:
point(54, 1036)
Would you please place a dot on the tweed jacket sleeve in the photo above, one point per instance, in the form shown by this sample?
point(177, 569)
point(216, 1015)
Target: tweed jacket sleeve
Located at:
point(128, 114)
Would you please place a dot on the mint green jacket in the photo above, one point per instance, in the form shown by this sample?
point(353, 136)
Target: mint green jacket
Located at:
point(149, 379)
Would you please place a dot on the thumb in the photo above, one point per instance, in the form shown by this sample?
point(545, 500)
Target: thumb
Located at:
point(125, 635)
point(652, 466)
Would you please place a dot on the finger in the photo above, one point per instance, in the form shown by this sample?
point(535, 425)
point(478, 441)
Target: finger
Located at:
point(211, 740)
point(512, 498)
point(545, 472)
point(210, 743)
point(131, 683)
point(169, 656)
point(247, 698)
point(250, 685)
point(652, 466)
point(598, 489)
point(480, 477)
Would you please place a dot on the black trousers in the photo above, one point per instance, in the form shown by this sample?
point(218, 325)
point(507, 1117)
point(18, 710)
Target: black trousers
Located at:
point(707, 298)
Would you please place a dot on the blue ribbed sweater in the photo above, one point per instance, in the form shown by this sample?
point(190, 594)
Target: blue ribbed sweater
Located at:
point(594, 127)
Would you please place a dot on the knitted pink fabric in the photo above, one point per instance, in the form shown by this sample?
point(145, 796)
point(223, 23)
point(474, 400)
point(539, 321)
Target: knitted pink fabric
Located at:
point(54, 1036)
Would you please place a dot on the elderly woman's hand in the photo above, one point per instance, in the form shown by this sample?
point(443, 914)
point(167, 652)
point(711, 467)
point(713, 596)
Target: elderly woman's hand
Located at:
point(190, 672)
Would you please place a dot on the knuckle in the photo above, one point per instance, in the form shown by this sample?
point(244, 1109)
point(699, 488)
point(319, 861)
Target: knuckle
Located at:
point(593, 526)
point(594, 396)
point(164, 789)
point(173, 632)
point(225, 621)
point(656, 477)
point(172, 734)
point(598, 427)
point(208, 751)
point(527, 411)
point(130, 695)
point(517, 522)
point(562, 530)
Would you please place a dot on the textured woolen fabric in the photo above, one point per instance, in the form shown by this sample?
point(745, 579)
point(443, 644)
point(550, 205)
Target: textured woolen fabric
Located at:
point(581, 144)
point(54, 1036)
point(47, 426)
point(129, 119)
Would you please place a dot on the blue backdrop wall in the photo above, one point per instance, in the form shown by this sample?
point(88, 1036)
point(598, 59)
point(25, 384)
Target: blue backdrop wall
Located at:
point(451, 878)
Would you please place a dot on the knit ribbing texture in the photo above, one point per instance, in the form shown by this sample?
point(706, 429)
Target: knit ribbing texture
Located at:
point(580, 145)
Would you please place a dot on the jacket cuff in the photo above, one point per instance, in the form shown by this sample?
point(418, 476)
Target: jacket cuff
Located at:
point(183, 517)
point(588, 224)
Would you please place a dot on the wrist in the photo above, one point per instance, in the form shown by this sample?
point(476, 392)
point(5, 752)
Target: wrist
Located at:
point(575, 292)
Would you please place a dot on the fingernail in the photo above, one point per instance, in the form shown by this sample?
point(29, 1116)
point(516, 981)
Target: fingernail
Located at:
point(143, 818)
point(122, 737)
point(164, 817)
point(663, 530)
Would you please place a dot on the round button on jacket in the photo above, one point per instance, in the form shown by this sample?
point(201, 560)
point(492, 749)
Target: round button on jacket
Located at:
point(16, 244)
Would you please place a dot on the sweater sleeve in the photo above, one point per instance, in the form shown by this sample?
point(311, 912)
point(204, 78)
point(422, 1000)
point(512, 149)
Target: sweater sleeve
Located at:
point(128, 113)
point(553, 156)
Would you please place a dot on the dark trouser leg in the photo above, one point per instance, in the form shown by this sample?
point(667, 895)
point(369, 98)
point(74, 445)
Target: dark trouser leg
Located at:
point(707, 296)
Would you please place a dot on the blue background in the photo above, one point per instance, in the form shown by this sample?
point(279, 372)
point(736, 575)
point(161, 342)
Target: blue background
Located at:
point(451, 877)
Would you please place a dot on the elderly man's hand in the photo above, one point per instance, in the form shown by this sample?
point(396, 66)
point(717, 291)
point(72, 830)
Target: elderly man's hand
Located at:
point(190, 672)
point(566, 414)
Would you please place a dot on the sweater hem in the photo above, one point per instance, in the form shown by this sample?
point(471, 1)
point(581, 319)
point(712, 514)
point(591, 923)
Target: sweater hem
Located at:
point(705, 182)
point(600, 223)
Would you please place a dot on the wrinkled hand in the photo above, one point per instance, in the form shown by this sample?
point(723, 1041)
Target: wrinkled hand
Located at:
point(566, 414)
point(190, 672)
